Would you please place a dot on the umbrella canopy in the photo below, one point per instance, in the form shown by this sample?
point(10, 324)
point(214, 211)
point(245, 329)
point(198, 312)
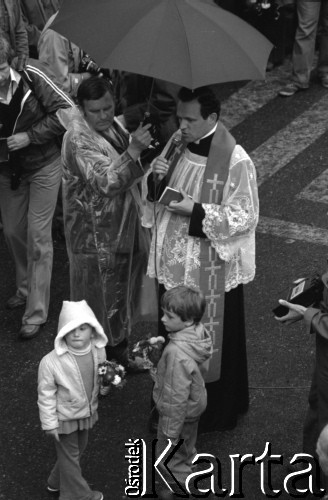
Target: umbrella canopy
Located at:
point(187, 42)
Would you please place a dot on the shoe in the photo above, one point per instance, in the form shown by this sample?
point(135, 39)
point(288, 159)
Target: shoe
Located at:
point(97, 495)
point(28, 332)
point(52, 491)
point(324, 81)
point(15, 301)
point(290, 90)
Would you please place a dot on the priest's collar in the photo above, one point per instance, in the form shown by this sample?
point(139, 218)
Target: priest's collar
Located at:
point(208, 134)
point(202, 146)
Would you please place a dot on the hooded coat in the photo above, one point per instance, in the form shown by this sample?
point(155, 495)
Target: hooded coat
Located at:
point(179, 391)
point(61, 393)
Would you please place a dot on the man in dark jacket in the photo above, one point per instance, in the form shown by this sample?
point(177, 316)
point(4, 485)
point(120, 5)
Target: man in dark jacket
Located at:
point(30, 174)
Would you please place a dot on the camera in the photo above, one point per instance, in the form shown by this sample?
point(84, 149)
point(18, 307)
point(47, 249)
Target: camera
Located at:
point(304, 291)
point(155, 147)
point(153, 130)
point(88, 65)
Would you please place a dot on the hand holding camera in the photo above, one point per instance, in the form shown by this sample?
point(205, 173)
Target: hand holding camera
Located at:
point(154, 130)
point(295, 312)
point(304, 292)
point(155, 147)
point(140, 140)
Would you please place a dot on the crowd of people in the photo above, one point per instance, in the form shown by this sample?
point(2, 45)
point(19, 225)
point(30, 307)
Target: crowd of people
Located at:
point(66, 122)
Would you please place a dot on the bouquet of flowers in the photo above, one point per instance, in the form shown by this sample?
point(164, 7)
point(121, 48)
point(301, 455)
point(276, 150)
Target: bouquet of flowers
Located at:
point(111, 373)
point(259, 4)
point(147, 352)
point(269, 5)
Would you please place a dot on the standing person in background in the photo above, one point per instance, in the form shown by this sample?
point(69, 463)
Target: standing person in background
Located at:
point(207, 240)
point(315, 428)
point(63, 58)
point(12, 24)
point(310, 15)
point(35, 15)
point(101, 199)
point(30, 176)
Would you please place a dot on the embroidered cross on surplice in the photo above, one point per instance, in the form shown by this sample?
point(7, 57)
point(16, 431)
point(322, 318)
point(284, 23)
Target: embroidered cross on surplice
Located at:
point(214, 193)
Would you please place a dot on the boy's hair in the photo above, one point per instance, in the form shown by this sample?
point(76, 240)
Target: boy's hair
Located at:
point(187, 303)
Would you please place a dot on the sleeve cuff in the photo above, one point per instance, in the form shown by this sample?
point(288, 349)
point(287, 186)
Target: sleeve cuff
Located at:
point(155, 190)
point(137, 164)
point(196, 221)
point(308, 316)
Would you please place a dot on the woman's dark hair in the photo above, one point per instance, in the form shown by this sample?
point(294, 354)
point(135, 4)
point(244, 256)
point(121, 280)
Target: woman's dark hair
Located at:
point(208, 101)
point(92, 89)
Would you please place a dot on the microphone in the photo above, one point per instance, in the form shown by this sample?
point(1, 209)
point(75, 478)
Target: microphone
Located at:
point(168, 156)
point(171, 149)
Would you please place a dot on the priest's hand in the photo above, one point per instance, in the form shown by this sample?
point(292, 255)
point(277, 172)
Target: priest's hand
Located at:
point(160, 167)
point(183, 207)
point(295, 313)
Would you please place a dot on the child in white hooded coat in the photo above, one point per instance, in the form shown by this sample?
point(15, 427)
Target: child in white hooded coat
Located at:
point(68, 387)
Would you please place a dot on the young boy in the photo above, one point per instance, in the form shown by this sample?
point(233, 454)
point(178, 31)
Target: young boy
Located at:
point(179, 392)
point(68, 396)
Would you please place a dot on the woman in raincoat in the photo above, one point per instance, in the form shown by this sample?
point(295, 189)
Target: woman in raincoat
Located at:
point(107, 247)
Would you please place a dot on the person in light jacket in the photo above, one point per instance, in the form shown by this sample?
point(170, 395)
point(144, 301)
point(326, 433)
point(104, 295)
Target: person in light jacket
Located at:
point(179, 392)
point(68, 387)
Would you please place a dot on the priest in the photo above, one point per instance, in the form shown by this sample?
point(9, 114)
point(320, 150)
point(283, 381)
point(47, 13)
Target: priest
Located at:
point(206, 240)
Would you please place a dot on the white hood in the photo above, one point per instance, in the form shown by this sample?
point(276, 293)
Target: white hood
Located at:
point(72, 315)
